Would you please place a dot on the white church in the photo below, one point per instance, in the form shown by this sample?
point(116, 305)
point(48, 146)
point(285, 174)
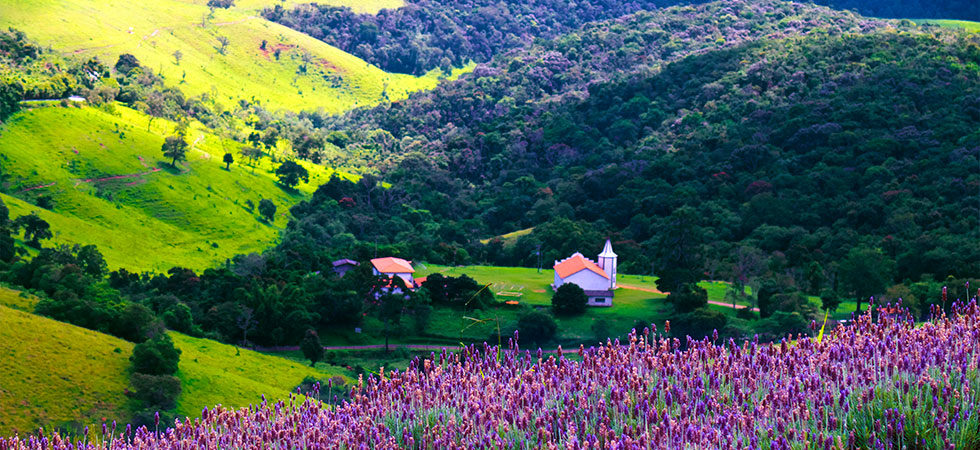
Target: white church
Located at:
point(597, 280)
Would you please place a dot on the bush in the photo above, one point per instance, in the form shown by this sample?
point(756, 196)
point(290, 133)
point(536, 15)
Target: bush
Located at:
point(156, 356)
point(179, 318)
point(155, 391)
point(536, 328)
point(780, 324)
point(569, 300)
point(698, 323)
point(312, 348)
point(688, 297)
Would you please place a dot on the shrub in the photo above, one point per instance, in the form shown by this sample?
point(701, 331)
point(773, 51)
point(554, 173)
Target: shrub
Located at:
point(156, 356)
point(569, 299)
point(536, 328)
point(688, 297)
point(155, 391)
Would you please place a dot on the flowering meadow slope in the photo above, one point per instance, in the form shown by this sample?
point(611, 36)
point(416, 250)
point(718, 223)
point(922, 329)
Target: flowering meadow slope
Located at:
point(877, 384)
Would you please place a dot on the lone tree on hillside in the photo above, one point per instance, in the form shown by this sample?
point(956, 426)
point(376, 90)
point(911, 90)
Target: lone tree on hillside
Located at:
point(178, 55)
point(312, 348)
point(267, 209)
point(223, 42)
point(35, 228)
point(175, 148)
point(228, 159)
point(569, 299)
point(290, 173)
point(252, 153)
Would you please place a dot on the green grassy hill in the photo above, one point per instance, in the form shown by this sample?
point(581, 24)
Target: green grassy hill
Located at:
point(153, 31)
point(213, 373)
point(962, 24)
point(53, 373)
point(111, 186)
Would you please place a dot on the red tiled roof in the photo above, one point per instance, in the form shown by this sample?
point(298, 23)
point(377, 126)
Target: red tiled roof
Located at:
point(392, 265)
point(575, 264)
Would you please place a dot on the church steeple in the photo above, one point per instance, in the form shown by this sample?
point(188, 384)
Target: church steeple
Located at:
point(607, 260)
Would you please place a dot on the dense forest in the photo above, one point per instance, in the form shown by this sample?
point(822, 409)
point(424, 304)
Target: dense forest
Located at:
point(428, 34)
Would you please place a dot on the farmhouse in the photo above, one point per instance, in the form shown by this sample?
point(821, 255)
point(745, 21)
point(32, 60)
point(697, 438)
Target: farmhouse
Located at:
point(342, 266)
point(597, 280)
point(396, 267)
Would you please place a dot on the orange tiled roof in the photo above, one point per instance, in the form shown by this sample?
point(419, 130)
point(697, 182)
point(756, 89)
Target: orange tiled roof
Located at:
point(392, 265)
point(577, 263)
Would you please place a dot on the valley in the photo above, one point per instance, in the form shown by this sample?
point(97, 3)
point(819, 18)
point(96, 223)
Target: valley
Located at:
point(394, 222)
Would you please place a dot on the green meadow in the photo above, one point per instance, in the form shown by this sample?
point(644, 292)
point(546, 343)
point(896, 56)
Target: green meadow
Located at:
point(962, 24)
point(54, 374)
point(212, 373)
point(292, 71)
point(111, 186)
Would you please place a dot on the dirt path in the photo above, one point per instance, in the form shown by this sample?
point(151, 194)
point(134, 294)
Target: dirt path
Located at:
point(118, 177)
point(38, 187)
point(637, 288)
point(655, 291)
point(422, 347)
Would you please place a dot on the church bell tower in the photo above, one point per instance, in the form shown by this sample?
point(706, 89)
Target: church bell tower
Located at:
point(607, 261)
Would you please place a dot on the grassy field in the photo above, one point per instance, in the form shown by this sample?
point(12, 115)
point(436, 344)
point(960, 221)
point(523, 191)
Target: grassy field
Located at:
point(532, 290)
point(962, 24)
point(332, 80)
point(153, 217)
point(52, 373)
point(212, 373)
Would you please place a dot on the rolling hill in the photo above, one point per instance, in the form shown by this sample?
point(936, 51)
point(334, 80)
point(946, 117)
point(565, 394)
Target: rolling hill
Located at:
point(111, 186)
point(53, 374)
point(262, 61)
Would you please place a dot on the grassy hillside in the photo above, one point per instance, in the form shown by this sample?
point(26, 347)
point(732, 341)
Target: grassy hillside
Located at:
point(111, 186)
point(154, 31)
point(52, 373)
point(212, 373)
point(962, 24)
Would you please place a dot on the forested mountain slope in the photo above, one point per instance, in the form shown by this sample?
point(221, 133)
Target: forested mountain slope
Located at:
point(428, 34)
point(802, 148)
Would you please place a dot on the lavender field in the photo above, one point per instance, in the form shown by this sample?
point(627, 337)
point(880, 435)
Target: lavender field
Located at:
point(883, 382)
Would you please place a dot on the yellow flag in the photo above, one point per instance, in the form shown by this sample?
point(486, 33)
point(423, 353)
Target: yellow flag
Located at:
point(820, 335)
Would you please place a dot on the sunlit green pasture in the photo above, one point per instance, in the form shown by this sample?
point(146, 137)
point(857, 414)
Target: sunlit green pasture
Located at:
point(292, 71)
point(155, 216)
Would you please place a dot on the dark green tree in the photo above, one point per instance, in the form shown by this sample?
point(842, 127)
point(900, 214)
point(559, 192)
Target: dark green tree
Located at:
point(688, 297)
point(290, 173)
point(679, 259)
point(267, 209)
point(830, 300)
point(228, 159)
point(179, 318)
point(569, 299)
point(537, 328)
point(35, 228)
point(155, 391)
point(175, 148)
point(311, 347)
point(156, 356)
point(126, 63)
point(7, 247)
point(865, 272)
